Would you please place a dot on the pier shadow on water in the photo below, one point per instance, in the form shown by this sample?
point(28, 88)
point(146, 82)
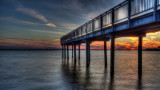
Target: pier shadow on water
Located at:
point(44, 70)
point(87, 80)
point(125, 77)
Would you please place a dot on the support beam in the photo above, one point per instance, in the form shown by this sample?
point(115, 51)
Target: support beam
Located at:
point(140, 56)
point(129, 13)
point(79, 48)
point(75, 58)
point(87, 54)
point(155, 10)
point(72, 50)
point(112, 55)
point(72, 53)
point(62, 52)
point(105, 54)
point(101, 23)
point(67, 53)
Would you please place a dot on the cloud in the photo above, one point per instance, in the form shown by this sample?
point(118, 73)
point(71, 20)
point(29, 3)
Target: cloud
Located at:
point(32, 23)
point(29, 44)
point(14, 20)
point(32, 13)
point(91, 15)
point(70, 25)
point(35, 14)
point(47, 31)
point(51, 25)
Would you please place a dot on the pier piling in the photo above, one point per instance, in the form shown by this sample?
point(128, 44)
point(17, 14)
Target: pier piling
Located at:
point(105, 54)
point(72, 51)
point(112, 24)
point(112, 55)
point(87, 54)
point(62, 52)
point(79, 48)
point(140, 56)
point(67, 53)
point(75, 58)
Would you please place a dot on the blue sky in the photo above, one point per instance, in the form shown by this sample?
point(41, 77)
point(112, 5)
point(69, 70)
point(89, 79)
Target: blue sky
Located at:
point(40, 23)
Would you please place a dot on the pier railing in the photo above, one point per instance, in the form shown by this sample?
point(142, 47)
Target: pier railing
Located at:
point(122, 13)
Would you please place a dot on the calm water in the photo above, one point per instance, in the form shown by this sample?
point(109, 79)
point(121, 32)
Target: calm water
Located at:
point(43, 70)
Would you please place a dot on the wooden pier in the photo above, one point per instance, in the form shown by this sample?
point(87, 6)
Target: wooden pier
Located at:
point(131, 18)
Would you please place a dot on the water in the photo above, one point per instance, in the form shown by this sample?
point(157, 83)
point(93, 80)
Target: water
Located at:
point(43, 70)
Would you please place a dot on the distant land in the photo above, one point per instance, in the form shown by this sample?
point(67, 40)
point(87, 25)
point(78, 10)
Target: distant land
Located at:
point(148, 49)
point(53, 48)
point(152, 49)
point(20, 47)
point(30, 49)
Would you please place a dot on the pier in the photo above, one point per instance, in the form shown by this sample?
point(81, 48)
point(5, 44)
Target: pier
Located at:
point(131, 18)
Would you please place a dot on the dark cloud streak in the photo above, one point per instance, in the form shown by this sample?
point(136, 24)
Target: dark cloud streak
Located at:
point(31, 21)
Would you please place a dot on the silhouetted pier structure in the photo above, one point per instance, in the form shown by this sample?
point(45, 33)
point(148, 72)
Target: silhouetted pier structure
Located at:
point(131, 18)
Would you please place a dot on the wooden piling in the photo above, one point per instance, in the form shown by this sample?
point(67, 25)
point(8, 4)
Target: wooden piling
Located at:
point(105, 54)
point(140, 56)
point(67, 53)
point(75, 58)
point(87, 54)
point(112, 55)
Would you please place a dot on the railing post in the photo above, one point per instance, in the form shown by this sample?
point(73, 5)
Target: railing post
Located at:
point(140, 56)
point(93, 27)
point(101, 23)
point(112, 56)
point(129, 13)
point(113, 20)
point(80, 32)
point(86, 31)
point(87, 53)
point(155, 10)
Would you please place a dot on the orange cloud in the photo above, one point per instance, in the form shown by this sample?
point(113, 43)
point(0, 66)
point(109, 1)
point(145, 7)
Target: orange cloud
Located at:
point(126, 43)
point(152, 40)
point(51, 25)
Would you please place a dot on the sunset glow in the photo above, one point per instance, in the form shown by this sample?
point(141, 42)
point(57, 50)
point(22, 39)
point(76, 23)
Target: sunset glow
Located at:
point(152, 40)
point(26, 24)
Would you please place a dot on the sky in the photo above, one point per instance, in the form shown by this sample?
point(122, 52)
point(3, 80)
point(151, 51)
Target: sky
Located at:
point(39, 24)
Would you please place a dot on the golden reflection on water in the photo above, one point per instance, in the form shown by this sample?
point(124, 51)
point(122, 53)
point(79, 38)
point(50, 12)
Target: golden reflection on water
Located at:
point(125, 78)
point(43, 70)
point(87, 81)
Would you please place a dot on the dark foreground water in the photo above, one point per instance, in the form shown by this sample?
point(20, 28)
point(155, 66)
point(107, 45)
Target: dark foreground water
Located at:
point(43, 70)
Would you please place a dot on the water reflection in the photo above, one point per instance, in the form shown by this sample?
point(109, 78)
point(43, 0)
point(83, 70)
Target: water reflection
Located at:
point(44, 70)
point(111, 83)
point(71, 74)
point(80, 80)
point(139, 83)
